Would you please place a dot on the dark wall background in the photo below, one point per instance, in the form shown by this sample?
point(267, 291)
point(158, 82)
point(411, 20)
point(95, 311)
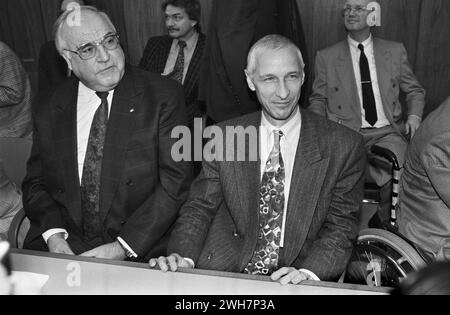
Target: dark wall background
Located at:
point(422, 25)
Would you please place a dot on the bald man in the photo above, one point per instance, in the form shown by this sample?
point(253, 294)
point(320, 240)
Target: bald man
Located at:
point(357, 84)
point(101, 181)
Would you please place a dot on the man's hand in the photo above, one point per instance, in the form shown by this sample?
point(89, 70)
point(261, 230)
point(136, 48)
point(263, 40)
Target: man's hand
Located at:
point(58, 245)
point(287, 275)
point(412, 124)
point(172, 263)
point(111, 251)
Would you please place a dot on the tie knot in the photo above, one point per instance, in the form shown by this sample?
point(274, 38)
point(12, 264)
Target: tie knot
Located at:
point(102, 95)
point(278, 133)
point(182, 44)
point(361, 47)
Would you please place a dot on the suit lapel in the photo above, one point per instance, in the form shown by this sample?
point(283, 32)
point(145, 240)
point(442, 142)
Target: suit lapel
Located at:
point(124, 110)
point(194, 65)
point(346, 75)
point(307, 179)
point(164, 53)
point(383, 62)
point(64, 118)
point(248, 184)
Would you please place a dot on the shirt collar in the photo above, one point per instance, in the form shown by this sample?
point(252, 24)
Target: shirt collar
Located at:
point(354, 44)
point(191, 42)
point(88, 94)
point(289, 129)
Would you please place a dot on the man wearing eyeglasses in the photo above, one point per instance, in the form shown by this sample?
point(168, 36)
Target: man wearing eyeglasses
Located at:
point(357, 84)
point(101, 181)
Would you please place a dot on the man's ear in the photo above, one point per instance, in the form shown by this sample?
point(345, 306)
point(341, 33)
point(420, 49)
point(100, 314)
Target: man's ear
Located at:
point(250, 83)
point(67, 59)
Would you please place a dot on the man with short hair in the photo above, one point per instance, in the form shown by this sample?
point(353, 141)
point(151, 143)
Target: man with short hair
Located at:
point(292, 213)
point(100, 180)
point(357, 84)
point(178, 55)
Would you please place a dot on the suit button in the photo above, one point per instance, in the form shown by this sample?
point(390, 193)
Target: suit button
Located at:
point(235, 234)
point(336, 89)
point(60, 191)
point(210, 256)
point(340, 122)
point(130, 183)
point(340, 107)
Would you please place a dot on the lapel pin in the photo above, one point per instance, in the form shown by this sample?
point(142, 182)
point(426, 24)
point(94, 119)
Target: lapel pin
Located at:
point(132, 110)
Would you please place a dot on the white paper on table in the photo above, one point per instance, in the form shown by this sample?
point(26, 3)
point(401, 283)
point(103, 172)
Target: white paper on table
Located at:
point(28, 283)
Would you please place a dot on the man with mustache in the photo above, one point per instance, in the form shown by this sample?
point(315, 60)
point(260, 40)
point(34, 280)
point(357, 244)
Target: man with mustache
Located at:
point(178, 55)
point(290, 213)
point(357, 84)
point(101, 181)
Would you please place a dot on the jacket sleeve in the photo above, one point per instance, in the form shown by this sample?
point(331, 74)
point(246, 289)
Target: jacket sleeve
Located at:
point(155, 216)
point(329, 253)
point(415, 93)
point(12, 78)
point(318, 101)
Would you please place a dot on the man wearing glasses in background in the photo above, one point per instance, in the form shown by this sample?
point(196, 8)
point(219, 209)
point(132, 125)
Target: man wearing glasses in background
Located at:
point(101, 181)
point(357, 84)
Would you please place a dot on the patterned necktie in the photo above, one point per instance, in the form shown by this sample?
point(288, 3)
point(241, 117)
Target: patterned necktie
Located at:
point(367, 91)
point(271, 207)
point(90, 183)
point(178, 69)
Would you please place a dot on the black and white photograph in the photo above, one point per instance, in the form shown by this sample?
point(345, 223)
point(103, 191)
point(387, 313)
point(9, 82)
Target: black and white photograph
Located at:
point(228, 155)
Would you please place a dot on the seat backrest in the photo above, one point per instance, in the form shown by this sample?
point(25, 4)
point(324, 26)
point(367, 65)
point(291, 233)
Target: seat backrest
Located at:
point(14, 153)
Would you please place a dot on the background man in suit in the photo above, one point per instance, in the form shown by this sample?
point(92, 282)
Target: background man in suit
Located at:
point(357, 84)
point(101, 181)
point(292, 213)
point(424, 204)
point(15, 96)
point(179, 54)
point(52, 67)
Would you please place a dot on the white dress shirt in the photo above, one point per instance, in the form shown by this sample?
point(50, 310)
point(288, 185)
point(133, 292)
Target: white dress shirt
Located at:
point(87, 104)
point(369, 52)
point(189, 50)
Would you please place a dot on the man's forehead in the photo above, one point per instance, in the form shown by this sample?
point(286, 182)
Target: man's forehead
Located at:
point(363, 3)
point(275, 59)
point(172, 10)
point(93, 27)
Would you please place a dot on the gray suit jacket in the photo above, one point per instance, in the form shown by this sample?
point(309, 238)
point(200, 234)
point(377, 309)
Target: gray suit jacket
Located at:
point(335, 94)
point(424, 208)
point(218, 226)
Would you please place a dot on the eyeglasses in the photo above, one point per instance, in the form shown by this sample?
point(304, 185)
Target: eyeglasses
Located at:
point(357, 9)
point(89, 50)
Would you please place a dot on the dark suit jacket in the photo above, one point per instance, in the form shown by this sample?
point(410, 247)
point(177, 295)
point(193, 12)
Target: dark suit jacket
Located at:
point(142, 188)
point(335, 94)
point(154, 60)
point(218, 225)
point(52, 67)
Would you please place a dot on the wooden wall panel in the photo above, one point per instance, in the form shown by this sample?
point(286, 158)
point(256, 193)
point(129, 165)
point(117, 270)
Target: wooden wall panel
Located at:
point(433, 51)
point(422, 25)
